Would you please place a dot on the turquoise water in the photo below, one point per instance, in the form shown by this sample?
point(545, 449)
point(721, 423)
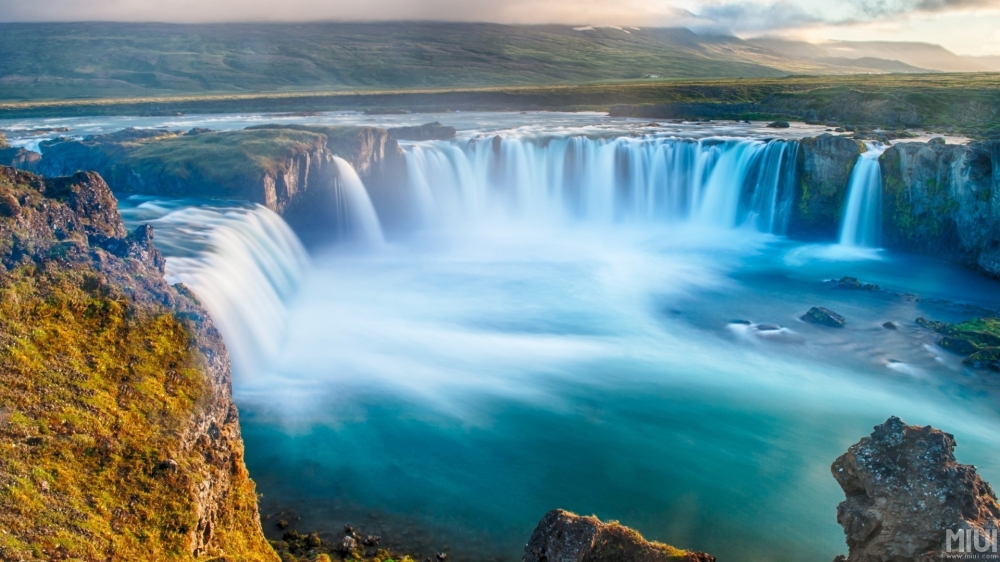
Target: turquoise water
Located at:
point(448, 387)
point(446, 393)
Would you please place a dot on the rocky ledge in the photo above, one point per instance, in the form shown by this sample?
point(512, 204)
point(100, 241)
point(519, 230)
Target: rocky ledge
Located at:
point(289, 169)
point(908, 499)
point(565, 537)
point(119, 439)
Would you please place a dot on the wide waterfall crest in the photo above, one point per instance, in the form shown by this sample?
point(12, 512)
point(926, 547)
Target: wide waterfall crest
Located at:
point(719, 181)
point(242, 261)
point(356, 219)
point(862, 223)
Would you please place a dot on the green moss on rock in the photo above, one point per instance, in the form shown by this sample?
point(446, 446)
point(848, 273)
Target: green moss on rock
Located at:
point(118, 441)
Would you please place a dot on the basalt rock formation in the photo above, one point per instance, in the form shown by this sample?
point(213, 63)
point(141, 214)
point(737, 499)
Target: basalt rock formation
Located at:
point(906, 493)
point(565, 537)
point(944, 200)
point(826, 163)
point(119, 439)
point(287, 168)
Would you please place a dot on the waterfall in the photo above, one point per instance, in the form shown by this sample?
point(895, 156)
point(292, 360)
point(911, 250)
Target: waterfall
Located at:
point(356, 219)
point(862, 224)
point(242, 261)
point(719, 181)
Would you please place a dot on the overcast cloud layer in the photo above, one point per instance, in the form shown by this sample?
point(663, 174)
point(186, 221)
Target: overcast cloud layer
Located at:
point(951, 22)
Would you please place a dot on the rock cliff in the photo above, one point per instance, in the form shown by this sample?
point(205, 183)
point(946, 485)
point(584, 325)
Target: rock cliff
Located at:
point(938, 199)
point(119, 439)
point(826, 163)
point(289, 169)
point(906, 493)
point(943, 200)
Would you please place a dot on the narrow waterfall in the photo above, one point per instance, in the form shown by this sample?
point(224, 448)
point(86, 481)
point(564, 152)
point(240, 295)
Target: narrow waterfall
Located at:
point(721, 181)
point(356, 218)
point(862, 224)
point(242, 261)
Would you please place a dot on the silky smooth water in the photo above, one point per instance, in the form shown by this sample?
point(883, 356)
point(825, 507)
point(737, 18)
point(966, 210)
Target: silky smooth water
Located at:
point(447, 388)
point(862, 223)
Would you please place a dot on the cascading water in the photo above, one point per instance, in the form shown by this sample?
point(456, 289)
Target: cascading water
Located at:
point(406, 387)
point(720, 181)
point(356, 220)
point(242, 261)
point(862, 224)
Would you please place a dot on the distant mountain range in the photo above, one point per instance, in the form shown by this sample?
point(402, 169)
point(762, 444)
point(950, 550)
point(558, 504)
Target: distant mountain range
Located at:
point(887, 55)
point(85, 60)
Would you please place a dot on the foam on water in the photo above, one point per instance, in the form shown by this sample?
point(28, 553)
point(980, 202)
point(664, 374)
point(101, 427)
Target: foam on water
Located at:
point(717, 181)
point(561, 334)
point(862, 223)
point(242, 261)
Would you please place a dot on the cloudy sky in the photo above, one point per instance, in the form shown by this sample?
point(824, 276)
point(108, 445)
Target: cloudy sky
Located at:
point(970, 27)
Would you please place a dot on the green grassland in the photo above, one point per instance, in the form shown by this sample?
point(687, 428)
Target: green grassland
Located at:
point(74, 60)
point(967, 103)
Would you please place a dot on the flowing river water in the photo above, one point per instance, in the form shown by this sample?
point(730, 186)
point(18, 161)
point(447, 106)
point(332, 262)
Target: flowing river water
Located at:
point(585, 314)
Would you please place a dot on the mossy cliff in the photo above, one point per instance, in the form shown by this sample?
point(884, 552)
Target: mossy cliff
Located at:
point(825, 166)
point(289, 169)
point(118, 436)
point(943, 200)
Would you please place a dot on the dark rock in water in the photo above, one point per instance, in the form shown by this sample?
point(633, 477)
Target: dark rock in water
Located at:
point(564, 537)
point(931, 324)
point(988, 358)
point(427, 131)
point(824, 317)
point(779, 125)
point(958, 346)
point(849, 283)
point(853, 283)
point(906, 493)
point(890, 326)
point(979, 337)
point(768, 327)
point(741, 322)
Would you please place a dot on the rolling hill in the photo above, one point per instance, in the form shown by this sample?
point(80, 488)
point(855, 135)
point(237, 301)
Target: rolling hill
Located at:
point(94, 60)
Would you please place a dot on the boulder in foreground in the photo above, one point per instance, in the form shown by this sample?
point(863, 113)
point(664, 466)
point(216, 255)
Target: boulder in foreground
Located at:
point(562, 536)
point(907, 496)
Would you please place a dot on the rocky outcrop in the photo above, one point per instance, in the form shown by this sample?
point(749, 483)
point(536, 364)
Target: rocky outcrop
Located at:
point(977, 340)
point(944, 200)
point(119, 386)
point(565, 537)
point(826, 163)
point(824, 317)
point(20, 158)
point(907, 497)
point(427, 131)
point(289, 169)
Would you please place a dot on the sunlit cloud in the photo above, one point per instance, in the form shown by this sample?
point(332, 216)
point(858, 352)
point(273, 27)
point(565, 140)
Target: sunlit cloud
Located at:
point(880, 19)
